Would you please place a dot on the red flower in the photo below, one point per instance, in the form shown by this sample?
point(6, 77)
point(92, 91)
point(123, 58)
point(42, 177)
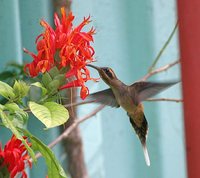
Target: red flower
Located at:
point(64, 47)
point(14, 157)
point(44, 60)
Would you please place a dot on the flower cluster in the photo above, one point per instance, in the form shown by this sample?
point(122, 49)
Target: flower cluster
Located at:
point(64, 46)
point(14, 156)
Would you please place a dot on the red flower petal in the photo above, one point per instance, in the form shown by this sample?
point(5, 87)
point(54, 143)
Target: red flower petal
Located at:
point(84, 92)
point(14, 157)
point(75, 83)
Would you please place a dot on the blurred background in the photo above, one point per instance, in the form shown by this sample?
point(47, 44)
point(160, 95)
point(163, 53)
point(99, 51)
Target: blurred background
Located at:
point(129, 35)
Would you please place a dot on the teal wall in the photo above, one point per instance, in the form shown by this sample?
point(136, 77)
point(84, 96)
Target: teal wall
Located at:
point(129, 35)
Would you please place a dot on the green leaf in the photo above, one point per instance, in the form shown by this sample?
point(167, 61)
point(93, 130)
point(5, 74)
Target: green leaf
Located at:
point(55, 170)
point(63, 70)
point(4, 170)
point(21, 89)
point(19, 120)
point(16, 65)
point(39, 85)
point(46, 79)
point(54, 72)
point(51, 114)
point(61, 78)
point(6, 91)
point(8, 123)
point(16, 114)
point(6, 74)
point(12, 107)
point(2, 107)
point(53, 86)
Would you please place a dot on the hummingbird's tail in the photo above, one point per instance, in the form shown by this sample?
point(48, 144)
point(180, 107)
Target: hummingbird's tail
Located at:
point(140, 125)
point(146, 154)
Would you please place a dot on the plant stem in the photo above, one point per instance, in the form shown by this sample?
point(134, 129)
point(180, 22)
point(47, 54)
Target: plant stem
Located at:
point(163, 48)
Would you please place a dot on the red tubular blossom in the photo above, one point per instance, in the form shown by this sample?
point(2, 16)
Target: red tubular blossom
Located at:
point(14, 156)
point(73, 46)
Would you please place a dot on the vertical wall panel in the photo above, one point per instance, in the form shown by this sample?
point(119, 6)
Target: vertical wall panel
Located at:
point(169, 114)
point(10, 41)
point(123, 42)
point(109, 135)
point(31, 12)
point(140, 43)
point(10, 34)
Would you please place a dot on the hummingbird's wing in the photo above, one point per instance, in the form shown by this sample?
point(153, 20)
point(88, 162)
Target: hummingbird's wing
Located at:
point(105, 97)
point(145, 90)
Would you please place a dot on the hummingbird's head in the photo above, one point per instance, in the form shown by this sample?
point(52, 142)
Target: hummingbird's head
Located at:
point(106, 73)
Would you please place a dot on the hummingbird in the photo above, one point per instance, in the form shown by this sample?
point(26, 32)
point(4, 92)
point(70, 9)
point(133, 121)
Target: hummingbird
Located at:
point(130, 98)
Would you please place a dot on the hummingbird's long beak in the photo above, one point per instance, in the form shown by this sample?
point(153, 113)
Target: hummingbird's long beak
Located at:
point(94, 67)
